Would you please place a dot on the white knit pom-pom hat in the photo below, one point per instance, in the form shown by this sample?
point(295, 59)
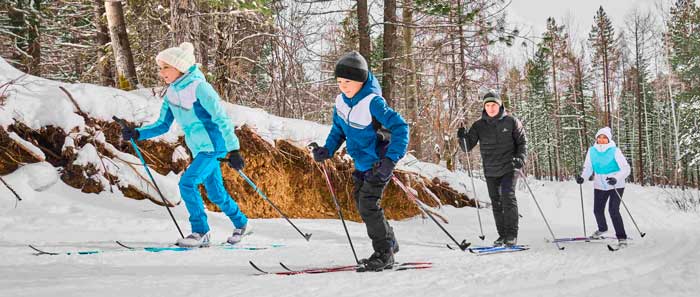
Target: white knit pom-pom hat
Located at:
point(180, 57)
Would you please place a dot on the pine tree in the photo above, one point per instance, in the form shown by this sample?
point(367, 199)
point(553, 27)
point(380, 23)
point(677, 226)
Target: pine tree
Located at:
point(684, 43)
point(602, 39)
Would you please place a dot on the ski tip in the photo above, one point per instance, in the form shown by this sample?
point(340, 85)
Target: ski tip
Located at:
point(611, 248)
point(449, 247)
point(123, 245)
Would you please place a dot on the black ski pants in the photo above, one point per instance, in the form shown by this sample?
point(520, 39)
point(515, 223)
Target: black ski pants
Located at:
point(504, 205)
point(368, 195)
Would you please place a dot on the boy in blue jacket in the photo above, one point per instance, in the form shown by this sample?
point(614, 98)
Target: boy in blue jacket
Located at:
point(359, 113)
point(209, 134)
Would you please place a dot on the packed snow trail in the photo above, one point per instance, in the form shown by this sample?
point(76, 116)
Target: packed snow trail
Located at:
point(60, 218)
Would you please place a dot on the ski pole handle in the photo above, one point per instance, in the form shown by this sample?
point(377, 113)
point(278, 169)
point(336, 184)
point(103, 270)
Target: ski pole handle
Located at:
point(119, 121)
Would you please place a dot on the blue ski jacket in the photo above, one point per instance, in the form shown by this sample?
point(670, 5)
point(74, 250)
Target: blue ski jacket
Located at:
point(352, 122)
point(196, 106)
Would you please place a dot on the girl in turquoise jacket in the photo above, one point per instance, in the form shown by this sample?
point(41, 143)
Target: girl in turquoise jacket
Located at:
point(209, 133)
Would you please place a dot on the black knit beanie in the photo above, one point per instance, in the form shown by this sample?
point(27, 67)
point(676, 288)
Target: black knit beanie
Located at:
point(352, 66)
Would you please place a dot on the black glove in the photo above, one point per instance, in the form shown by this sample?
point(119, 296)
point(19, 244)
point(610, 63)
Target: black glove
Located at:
point(518, 163)
point(320, 154)
point(129, 133)
point(382, 170)
point(579, 179)
point(462, 138)
point(611, 181)
point(235, 160)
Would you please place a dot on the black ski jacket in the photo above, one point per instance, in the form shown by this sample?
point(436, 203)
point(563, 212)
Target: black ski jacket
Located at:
point(502, 138)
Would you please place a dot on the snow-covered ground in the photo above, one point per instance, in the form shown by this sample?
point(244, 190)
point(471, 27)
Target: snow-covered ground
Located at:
point(60, 218)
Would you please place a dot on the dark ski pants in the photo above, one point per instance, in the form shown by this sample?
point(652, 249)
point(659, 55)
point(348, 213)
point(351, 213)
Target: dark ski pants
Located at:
point(368, 195)
point(600, 197)
point(504, 204)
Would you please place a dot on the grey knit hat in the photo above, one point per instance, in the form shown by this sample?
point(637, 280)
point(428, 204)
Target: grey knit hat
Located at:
point(352, 66)
point(492, 96)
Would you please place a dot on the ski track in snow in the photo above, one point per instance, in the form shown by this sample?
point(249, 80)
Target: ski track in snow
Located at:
point(60, 218)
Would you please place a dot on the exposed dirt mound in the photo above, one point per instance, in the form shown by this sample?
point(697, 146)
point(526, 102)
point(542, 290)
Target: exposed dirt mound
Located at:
point(285, 172)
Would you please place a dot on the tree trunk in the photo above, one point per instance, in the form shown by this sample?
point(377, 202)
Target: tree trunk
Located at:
point(363, 30)
point(34, 39)
point(126, 72)
point(557, 120)
point(411, 80)
point(104, 67)
point(389, 53)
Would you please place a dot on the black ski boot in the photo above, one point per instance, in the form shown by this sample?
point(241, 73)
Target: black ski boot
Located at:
point(377, 262)
point(511, 241)
point(499, 241)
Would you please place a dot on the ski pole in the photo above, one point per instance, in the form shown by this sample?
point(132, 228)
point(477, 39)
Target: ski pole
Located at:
point(583, 214)
point(314, 145)
point(250, 182)
point(540, 209)
point(11, 190)
point(463, 245)
point(642, 234)
point(123, 124)
point(471, 174)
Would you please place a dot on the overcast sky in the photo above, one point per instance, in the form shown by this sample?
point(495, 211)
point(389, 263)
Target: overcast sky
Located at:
point(530, 16)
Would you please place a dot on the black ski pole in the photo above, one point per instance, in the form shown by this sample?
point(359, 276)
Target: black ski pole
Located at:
point(250, 182)
point(554, 238)
point(314, 145)
point(11, 189)
point(642, 234)
point(471, 174)
point(583, 213)
point(123, 124)
point(463, 245)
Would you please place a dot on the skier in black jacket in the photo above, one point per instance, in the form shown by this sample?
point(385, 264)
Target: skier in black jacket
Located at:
point(503, 150)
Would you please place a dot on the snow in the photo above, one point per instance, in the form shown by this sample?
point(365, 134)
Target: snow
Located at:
point(664, 263)
point(28, 145)
point(57, 217)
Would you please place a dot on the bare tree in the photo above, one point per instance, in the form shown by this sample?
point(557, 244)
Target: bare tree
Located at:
point(126, 72)
point(104, 67)
point(363, 30)
point(389, 52)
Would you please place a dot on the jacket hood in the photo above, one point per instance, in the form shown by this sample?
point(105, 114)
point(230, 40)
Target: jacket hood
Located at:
point(605, 131)
point(192, 74)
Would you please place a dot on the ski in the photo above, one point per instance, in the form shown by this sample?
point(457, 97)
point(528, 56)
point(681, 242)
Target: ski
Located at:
point(151, 249)
point(339, 268)
point(578, 239)
point(40, 252)
point(224, 245)
point(479, 251)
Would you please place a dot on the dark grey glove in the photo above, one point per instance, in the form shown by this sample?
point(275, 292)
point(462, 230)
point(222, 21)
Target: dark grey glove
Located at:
point(321, 154)
point(235, 160)
point(382, 170)
point(579, 179)
point(518, 163)
point(462, 138)
point(129, 133)
point(611, 181)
